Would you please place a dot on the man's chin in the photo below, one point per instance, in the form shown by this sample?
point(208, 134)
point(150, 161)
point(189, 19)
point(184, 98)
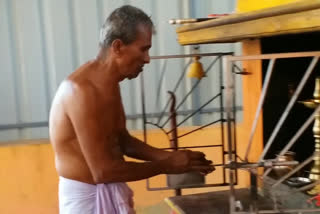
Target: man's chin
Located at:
point(133, 76)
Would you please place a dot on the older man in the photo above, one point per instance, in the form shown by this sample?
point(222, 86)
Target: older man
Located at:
point(87, 125)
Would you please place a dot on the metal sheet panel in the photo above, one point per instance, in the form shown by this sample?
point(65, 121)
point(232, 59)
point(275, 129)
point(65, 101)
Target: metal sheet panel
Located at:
point(42, 41)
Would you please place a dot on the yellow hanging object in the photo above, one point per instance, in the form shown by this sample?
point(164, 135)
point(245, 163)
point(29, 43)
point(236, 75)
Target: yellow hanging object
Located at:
point(196, 69)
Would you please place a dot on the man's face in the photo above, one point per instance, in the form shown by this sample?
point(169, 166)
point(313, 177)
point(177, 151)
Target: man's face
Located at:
point(136, 54)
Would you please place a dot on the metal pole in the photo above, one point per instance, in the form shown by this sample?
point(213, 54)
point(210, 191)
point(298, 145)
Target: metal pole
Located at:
point(260, 104)
point(174, 134)
point(229, 112)
point(222, 117)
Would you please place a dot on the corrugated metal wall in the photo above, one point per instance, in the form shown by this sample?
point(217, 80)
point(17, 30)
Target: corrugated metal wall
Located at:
point(42, 41)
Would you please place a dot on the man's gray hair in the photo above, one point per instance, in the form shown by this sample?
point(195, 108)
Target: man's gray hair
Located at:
point(123, 24)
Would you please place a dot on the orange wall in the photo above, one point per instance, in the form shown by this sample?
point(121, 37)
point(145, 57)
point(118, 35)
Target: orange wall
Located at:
point(28, 179)
point(29, 182)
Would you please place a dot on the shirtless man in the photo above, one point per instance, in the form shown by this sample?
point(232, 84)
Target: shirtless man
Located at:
point(87, 125)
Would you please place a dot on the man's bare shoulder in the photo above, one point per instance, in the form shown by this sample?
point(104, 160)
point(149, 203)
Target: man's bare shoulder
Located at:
point(80, 83)
point(85, 83)
point(72, 91)
point(80, 89)
point(82, 92)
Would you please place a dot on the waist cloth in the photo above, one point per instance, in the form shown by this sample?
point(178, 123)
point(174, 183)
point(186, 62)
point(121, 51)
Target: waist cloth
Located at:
point(76, 197)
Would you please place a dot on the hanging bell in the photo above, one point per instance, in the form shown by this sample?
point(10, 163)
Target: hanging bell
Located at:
point(196, 69)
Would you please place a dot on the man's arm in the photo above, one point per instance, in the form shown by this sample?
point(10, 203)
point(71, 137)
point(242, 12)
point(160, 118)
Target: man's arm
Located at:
point(135, 148)
point(98, 146)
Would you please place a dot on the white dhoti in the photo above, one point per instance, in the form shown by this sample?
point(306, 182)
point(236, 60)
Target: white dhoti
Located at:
point(76, 197)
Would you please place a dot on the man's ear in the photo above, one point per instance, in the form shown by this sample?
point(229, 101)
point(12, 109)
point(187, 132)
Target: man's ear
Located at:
point(116, 46)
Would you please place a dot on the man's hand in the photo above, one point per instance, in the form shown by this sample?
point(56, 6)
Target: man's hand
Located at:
point(186, 161)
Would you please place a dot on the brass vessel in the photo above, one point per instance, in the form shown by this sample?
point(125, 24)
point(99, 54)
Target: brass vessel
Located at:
point(283, 170)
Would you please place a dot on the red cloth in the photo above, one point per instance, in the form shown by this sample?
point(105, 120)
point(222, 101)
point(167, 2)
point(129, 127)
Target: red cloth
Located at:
point(317, 198)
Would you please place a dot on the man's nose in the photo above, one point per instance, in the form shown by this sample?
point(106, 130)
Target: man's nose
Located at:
point(147, 59)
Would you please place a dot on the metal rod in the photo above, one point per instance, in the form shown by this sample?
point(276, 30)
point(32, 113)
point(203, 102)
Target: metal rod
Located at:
point(24, 125)
point(192, 89)
point(222, 117)
point(260, 104)
point(275, 56)
point(238, 68)
point(233, 122)
point(188, 186)
point(144, 118)
point(173, 115)
point(289, 106)
point(309, 186)
point(174, 90)
point(266, 164)
point(154, 124)
point(189, 20)
point(300, 131)
point(191, 147)
point(304, 163)
point(161, 81)
point(240, 71)
point(143, 109)
point(190, 55)
point(181, 112)
point(199, 128)
point(229, 95)
point(162, 129)
point(174, 134)
point(196, 111)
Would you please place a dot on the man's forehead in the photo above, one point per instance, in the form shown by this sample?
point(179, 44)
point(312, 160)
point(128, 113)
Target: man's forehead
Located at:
point(144, 34)
point(144, 28)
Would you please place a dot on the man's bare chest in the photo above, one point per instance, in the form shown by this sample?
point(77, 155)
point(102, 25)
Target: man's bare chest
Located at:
point(113, 115)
